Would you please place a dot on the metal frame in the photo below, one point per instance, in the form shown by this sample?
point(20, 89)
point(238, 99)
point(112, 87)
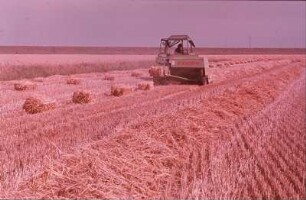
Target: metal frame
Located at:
point(174, 40)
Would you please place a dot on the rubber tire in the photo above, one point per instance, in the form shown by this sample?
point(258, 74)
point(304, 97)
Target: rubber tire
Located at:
point(204, 81)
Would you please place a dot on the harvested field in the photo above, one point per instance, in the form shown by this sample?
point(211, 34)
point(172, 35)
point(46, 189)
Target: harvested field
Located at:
point(241, 137)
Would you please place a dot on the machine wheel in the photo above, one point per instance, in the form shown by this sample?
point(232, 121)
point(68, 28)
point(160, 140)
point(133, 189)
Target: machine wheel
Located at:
point(204, 80)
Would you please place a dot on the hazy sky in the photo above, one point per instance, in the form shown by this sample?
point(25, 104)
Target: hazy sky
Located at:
point(144, 22)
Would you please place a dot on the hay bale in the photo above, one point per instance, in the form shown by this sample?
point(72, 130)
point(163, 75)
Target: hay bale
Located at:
point(34, 105)
point(136, 74)
point(81, 97)
point(145, 86)
point(155, 71)
point(24, 85)
point(119, 90)
point(109, 77)
point(73, 81)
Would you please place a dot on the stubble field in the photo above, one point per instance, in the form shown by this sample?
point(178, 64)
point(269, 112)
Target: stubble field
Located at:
point(242, 136)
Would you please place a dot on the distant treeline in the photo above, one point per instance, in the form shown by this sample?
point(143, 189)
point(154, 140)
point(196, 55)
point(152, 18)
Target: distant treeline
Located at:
point(140, 50)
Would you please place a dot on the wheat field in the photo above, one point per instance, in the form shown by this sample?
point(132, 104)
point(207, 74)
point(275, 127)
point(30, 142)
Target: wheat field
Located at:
point(241, 137)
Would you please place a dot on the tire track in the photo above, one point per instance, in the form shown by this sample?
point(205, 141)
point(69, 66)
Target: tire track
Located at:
point(298, 154)
point(281, 175)
point(265, 168)
point(298, 162)
point(269, 161)
point(285, 172)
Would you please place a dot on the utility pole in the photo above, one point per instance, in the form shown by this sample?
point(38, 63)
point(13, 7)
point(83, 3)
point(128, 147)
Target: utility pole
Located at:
point(250, 41)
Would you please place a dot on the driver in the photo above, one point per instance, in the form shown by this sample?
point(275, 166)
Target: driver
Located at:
point(179, 49)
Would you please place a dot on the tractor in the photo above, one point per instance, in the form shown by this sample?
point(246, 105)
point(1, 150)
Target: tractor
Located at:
point(177, 63)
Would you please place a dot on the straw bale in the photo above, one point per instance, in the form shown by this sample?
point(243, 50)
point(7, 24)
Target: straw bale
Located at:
point(145, 86)
point(119, 90)
point(24, 85)
point(136, 74)
point(109, 77)
point(34, 105)
point(155, 71)
point(73, 81)
point(81, 97)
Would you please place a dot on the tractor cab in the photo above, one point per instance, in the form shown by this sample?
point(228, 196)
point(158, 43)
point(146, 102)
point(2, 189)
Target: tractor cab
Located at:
point(174, 45)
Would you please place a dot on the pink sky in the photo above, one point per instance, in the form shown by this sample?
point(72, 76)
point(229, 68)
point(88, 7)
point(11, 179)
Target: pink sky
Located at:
point(144, 22)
